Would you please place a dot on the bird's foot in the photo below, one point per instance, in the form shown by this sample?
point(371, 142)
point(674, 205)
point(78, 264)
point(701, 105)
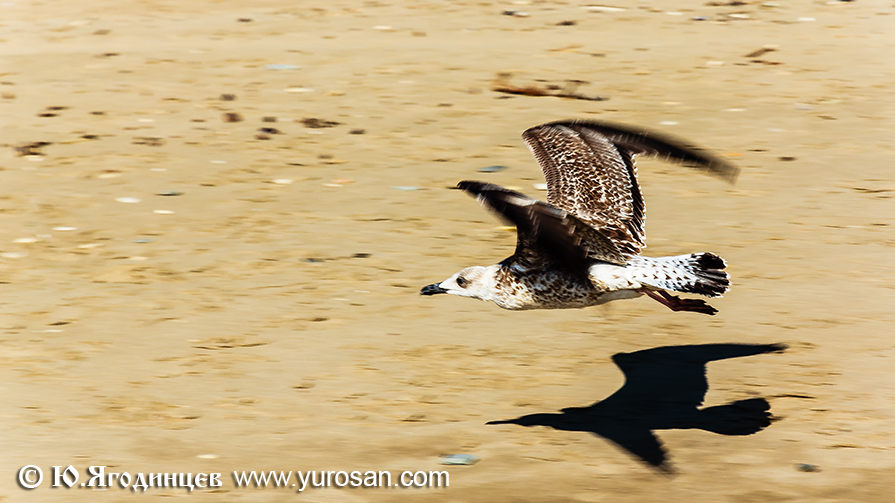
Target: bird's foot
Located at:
point(679, 304)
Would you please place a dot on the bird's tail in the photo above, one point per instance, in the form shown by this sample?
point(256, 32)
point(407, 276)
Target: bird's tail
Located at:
point(700, 273)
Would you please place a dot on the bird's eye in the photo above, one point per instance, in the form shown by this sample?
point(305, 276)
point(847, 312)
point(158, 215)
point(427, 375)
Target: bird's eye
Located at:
point(461, 282)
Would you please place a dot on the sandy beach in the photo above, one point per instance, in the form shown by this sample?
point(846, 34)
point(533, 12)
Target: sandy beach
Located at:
point(216, 216)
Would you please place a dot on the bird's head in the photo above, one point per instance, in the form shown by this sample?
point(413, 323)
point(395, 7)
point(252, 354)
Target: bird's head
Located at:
point(476, 282)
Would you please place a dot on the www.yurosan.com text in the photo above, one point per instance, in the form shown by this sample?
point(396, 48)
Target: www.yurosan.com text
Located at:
point(319, 479)
point(32, 477)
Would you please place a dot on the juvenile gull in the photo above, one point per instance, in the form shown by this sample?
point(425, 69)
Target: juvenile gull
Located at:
point(582, 247)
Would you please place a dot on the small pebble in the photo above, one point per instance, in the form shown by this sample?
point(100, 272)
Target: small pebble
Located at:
point(282, 181)
point(805, 467)
point(458, 459)
point(64, 229)
point(232, 117)
point(539, 186)
point(669, 123)
point(357, 131)
point(315, 123)
point(170, 193)
point(163, 212)
point(207, 456)
point(150, 141)
point(492, 169)
point(269, 118)
point(269, 130)
point(142, 240)
point(282, 67)
point(604, 8)
point(405, 187)
point(25, 240)
point(699, 18)
point(786, 158)
point(130, 200)
point(228, 97)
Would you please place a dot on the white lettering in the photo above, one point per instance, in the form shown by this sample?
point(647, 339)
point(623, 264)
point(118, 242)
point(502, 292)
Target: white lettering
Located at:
point(99, 473)
point(139, 483)
point(303, 480)
point(64, 476)
point(189, 482)
point(416, 482)
point(30, 476)
point(436, 476)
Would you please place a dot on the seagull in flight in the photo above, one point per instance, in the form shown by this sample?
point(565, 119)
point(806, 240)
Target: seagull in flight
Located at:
point(582, 246)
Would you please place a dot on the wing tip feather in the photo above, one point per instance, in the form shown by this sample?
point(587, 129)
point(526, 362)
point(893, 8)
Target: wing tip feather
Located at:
point(688, 154)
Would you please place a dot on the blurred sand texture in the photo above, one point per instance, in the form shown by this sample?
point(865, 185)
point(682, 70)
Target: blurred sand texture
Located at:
point(181, 293)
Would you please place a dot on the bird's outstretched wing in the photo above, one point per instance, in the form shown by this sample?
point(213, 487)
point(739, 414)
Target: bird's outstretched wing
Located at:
point(590, 172)
point(546, 235)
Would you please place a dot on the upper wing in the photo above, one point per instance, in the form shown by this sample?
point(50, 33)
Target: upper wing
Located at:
point(590, 172)
point(546, 235)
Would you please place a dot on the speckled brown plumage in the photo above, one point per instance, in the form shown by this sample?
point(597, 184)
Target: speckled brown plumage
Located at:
point(582, 246)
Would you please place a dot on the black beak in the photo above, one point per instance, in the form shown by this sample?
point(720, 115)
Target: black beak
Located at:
point(432, 289)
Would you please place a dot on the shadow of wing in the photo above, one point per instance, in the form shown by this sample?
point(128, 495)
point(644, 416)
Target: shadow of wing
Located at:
point(675, 376)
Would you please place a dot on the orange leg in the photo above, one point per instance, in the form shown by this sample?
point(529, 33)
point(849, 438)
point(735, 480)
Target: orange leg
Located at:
point(679, 304)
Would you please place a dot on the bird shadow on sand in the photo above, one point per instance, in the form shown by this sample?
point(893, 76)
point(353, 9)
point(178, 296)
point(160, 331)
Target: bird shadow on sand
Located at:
point(663, 390)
